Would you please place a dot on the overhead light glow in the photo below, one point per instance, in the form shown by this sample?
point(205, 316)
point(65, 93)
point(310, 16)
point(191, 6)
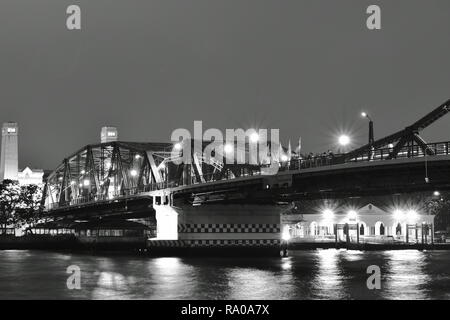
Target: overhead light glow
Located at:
point(254, 137)
point(178, 146)
point(286, 235)
point(352, 214)
point(228, 148)
point(412, 215)
point(138, 156)
point(398, 214)
point(284, 158)
point(133, 173)
point(436, 193)
point(86, 182)
point(363, 114)
point(83, 172)
point(344, 140)
point(328, 213)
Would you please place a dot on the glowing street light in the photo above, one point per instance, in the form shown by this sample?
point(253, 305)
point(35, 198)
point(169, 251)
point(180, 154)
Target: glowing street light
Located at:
point(352, 214)
point(286, 234)
point(412, 214)
point(86, 182)
point(138, 156)
point(177, 146)
point(228, 148)
point(133, 173)
point(83, 171)
point(398, 214)
point(284, 158)
point(254, 137)
point(344, 140)
point(371, 135)
point(436, 193)
point(328, 213)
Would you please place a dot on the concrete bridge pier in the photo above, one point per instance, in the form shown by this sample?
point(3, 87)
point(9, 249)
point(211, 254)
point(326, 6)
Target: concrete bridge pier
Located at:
point(218, 226)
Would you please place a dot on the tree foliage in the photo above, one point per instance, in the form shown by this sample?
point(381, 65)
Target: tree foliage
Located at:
point(19, 205)
point(440, 207)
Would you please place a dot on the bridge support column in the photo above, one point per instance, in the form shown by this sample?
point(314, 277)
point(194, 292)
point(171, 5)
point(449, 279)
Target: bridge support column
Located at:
point(166, 223)
point(230, 225)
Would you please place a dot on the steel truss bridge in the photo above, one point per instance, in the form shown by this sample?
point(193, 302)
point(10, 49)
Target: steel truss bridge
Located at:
point(103, 175)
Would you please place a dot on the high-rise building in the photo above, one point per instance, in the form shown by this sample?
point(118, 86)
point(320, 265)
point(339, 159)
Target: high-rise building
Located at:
point(108, 134)
point(9, 163)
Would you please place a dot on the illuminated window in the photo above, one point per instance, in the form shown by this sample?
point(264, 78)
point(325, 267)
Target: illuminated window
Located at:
point(11, 130)
point(111, 134)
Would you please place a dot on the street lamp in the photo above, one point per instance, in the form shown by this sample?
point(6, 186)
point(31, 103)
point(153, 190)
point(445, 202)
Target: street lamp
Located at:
point(254, 137)
point(178, 146)
point(228, 148)
point(328, 213)
point(371, 135)
point(344, 140)
point(352, 214)
point(398, 214)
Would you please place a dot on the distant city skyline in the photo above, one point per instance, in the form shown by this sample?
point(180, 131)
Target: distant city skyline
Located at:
point(150, 67)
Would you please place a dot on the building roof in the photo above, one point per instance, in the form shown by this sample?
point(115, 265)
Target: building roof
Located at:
point(31, 170)
point(371, 209)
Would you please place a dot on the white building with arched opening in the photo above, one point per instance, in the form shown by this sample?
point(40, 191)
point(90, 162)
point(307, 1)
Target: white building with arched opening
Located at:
point(366, 224)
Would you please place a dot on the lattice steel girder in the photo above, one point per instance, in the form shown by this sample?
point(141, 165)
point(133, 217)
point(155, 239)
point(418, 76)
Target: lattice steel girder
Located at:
point(404, 136)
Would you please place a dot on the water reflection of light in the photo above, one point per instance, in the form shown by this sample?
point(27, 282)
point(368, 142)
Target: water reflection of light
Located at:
point(171, 278)
point(405, 276)
point(113, 285)
point(286, 265)
point(167, 262)
point(249, 281)
point(354, 255)
point(328, 279)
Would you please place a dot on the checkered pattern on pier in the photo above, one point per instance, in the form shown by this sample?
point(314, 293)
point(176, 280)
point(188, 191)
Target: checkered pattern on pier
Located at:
point(229, 228)
point(218, 242)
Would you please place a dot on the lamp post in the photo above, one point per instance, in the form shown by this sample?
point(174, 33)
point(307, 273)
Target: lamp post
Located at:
point(371, 135)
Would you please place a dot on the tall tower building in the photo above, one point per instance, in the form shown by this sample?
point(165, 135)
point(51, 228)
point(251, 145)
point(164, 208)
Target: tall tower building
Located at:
point(9, 162)
point(109, 134)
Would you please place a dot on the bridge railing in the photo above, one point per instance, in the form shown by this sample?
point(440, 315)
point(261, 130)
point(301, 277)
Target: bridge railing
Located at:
point(438, 149)
point(415, 151)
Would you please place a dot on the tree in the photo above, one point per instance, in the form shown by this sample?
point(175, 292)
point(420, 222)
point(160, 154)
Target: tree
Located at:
point(10, 197)
point(440, 207)
point(19, 204)
point(30, 209)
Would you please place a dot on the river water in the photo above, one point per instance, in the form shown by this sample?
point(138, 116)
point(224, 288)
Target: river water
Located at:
point(317, 274)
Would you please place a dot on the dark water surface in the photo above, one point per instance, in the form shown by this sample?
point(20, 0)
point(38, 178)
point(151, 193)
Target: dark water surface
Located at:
point(319, 274)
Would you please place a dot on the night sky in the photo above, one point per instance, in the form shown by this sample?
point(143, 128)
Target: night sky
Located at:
point(149, 66)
